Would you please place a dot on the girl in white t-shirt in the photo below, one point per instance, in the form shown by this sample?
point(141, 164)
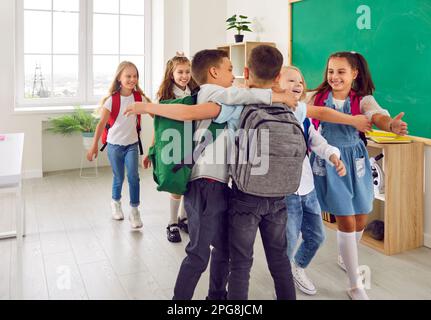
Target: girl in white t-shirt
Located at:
point(122, 138)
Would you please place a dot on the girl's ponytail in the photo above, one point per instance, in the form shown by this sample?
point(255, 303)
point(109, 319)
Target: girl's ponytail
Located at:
point(364, 83)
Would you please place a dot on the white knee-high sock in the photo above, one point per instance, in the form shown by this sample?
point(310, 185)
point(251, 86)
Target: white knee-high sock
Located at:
point(359, 236)
point(175, 204)
point(348, 250)
point(183, 213)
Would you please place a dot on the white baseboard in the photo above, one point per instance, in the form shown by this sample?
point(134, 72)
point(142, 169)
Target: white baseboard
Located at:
point(427, 240)
point(32, 174)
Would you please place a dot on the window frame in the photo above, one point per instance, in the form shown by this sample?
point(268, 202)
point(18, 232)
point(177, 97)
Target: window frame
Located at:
point(85, 96)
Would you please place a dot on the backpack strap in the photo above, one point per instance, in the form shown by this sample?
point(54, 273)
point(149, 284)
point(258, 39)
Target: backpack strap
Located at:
point(307, 125)
point(319, 101)
point(115, 110)
point(355, 108)
point(138, 98)
point(210, 135)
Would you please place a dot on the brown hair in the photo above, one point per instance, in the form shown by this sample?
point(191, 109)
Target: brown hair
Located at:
point(304, 84)
point(116, 84)
point(166, 89)
point(363, 83)
point(203, 61)
point(265, 62)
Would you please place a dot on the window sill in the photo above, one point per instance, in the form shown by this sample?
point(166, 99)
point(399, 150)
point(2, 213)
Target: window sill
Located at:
point(51, 109)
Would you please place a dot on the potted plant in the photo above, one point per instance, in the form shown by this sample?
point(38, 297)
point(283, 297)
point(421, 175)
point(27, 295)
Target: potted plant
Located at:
point(79, 121)
point(239, 23)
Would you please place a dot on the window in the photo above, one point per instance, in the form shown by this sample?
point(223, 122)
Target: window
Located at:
point(68, 50)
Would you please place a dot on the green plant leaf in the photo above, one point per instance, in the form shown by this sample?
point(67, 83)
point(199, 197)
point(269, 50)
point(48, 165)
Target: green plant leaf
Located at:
point(79, 121)
point(65, 125)
point(239, 25)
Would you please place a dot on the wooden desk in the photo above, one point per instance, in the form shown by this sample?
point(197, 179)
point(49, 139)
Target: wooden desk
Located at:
point(11, 150)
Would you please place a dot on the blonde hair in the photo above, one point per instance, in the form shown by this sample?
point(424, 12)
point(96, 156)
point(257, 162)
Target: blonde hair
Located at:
point(116, 84)
point(166, 89)
point(304, 92)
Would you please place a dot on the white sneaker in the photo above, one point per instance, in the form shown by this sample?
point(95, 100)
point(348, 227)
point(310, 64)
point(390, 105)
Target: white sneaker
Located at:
point(357, 294)
point(135, 218)
point(341, 264)
point(302, 282)
point(117, 212)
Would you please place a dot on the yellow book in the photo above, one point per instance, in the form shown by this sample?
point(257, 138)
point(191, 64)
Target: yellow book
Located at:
point(387, 137)
point(380, 134)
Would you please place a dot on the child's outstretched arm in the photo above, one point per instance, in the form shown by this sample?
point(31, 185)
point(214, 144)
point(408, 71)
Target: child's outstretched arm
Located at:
point(360, 122)
point(395, 125)
point(93, 151)
point(243, 96)
point(178, 112)
point(381, 117)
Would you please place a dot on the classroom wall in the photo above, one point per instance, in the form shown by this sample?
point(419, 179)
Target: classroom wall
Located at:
point(270, 21)
point(206, 20)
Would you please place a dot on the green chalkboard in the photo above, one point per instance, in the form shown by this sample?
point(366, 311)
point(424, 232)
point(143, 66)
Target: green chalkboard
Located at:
point(396, 41)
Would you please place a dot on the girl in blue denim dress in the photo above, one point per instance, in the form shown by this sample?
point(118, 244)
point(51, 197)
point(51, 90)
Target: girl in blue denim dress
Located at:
point(122, 138)
point(348, 88)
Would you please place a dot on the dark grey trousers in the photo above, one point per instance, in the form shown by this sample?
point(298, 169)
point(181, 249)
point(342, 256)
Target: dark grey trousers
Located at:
point(206, 205)
point(247, 213)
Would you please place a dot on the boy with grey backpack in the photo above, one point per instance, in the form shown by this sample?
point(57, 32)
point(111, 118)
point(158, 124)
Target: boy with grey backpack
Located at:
point(267, 151)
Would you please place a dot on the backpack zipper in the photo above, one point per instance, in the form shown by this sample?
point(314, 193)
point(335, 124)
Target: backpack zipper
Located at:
point(290, 122)
point(249, 113)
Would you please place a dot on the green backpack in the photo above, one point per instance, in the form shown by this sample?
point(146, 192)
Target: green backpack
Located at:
point(172, 152)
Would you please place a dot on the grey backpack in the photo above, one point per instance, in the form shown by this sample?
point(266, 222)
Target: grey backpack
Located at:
point(268, 151)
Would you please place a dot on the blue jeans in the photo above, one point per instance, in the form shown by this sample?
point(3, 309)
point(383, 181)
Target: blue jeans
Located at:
point(304, 214)
point(120, 157)
point(247, 214)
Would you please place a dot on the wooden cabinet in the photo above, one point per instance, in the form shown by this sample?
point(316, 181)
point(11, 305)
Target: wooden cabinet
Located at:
point(401, 207)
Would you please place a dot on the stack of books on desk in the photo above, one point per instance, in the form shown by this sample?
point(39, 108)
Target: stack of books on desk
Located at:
point(386, 137)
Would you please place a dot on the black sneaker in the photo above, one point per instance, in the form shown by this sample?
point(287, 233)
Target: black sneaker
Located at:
point(173, 233)
point(183, 225)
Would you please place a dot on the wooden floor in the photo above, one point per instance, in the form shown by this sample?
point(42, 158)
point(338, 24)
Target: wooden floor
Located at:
point(73, 250)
